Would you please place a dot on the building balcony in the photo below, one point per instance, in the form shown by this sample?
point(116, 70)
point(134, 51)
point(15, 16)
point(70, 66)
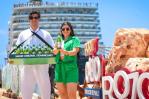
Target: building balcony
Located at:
point(57, 24)
point(58, 19)
point(21, 15)
point(15, 34)
point(57, 11)
point(55, 5)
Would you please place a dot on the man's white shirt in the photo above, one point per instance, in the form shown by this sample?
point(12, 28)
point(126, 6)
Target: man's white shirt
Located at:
point(33, 40)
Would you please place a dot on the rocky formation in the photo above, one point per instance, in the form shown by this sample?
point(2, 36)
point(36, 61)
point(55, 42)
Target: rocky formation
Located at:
point(128, 43)
point(134, 64)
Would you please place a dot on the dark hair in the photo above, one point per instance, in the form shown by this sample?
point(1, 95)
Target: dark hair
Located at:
point(71, 29)
point(34, 12)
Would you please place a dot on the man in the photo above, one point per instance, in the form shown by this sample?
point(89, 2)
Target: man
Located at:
point(32, 74)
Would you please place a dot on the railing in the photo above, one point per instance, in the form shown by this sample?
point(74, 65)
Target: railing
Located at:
point(52, 4)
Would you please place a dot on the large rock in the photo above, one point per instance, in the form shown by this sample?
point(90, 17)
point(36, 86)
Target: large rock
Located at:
point(134, 64)
point(128, 43)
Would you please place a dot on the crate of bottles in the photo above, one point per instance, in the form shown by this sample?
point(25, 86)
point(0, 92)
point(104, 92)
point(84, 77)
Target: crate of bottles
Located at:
point(31, 55)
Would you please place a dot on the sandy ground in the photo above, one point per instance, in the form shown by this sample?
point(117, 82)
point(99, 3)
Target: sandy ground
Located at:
point(1, 97)
point(34, 96)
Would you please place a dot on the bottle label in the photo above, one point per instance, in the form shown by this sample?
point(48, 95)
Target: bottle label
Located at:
point(58, 45)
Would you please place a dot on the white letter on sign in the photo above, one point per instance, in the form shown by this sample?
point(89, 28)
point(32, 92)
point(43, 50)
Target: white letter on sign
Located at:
point(134, 76)
point(105, 90)
point(97, 68)
point(139, 84)
point(88, 72)
point(125, 82)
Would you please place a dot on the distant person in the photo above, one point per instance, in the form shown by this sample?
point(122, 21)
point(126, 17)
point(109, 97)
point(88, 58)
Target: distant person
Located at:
point(66, 70)
point(32, 74)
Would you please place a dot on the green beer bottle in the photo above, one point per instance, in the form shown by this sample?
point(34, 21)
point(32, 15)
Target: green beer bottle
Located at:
point(17, 51)
point(27, 49)
point(38, 48)
point(21, 50)
point(30, 50)
point(45, 50)
point(24, 50)
point(33, 49)
point(49, 50)
point(59, 42)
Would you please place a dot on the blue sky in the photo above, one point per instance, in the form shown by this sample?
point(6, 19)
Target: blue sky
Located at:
point(114, 14)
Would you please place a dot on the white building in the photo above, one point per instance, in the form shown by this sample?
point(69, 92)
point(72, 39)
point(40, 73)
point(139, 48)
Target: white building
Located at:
point(83, 16)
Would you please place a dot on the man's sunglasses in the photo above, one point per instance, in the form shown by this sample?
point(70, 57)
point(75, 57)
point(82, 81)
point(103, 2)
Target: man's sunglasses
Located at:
point(67, 29)
point(31, 17)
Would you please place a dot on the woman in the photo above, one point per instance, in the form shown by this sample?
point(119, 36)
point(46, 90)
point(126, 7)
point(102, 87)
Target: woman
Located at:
point(66, 71)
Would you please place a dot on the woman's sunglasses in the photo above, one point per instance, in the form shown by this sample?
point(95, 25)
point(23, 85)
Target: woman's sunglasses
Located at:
point(67, 29)
point(31, 17)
